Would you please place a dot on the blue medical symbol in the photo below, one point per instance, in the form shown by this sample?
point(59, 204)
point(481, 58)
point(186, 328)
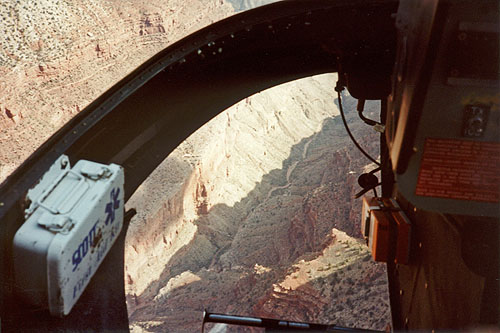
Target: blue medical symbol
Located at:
point(112, 205)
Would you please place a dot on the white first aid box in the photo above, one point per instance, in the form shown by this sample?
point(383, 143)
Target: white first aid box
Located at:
point(74, 217)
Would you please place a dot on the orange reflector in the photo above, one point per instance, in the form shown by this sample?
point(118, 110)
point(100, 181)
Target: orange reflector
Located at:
point(380, 217)
point(379, 232)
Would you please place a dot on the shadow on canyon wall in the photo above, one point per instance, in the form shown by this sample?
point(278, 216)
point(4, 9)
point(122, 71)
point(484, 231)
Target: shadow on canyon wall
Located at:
point(239, 254)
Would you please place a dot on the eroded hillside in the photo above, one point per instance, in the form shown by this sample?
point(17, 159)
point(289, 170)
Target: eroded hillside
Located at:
point(58, 56)
point(252, 215)
point(261, 219)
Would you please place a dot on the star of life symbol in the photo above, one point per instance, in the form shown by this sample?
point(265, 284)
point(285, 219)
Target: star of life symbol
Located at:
point(112, 206)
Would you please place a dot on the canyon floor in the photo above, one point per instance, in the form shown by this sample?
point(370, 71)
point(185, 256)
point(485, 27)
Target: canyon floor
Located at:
point(252, 215)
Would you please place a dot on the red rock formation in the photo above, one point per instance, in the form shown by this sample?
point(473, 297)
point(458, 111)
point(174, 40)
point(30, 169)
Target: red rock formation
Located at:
point(284, 226)
point(54, 46)
point(268, 191)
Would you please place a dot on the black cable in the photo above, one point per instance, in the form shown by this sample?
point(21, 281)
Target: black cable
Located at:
point(367, 121)
point(360, 107)
point(338, 90)
point(365, 190)
point(375, 170)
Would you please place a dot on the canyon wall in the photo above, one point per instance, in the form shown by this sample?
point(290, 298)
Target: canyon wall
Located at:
point(261, 219)
point(222, 162)
point(58, 56)
point(251, 215)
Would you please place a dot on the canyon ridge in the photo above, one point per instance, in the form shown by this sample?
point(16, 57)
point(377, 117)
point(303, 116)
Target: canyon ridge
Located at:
point(254, 214)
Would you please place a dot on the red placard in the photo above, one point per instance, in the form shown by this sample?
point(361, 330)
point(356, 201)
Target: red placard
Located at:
point(460, 169)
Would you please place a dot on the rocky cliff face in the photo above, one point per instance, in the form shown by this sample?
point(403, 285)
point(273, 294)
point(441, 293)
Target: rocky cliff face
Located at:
point(251, 215)
point(58, 56)
point(268, 223)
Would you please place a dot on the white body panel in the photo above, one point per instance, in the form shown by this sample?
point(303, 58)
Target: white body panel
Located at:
point(74, 218)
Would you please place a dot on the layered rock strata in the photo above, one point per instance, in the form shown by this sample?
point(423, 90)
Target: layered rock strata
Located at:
point(58, 56)
point(268, 187)
point(246, 216)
